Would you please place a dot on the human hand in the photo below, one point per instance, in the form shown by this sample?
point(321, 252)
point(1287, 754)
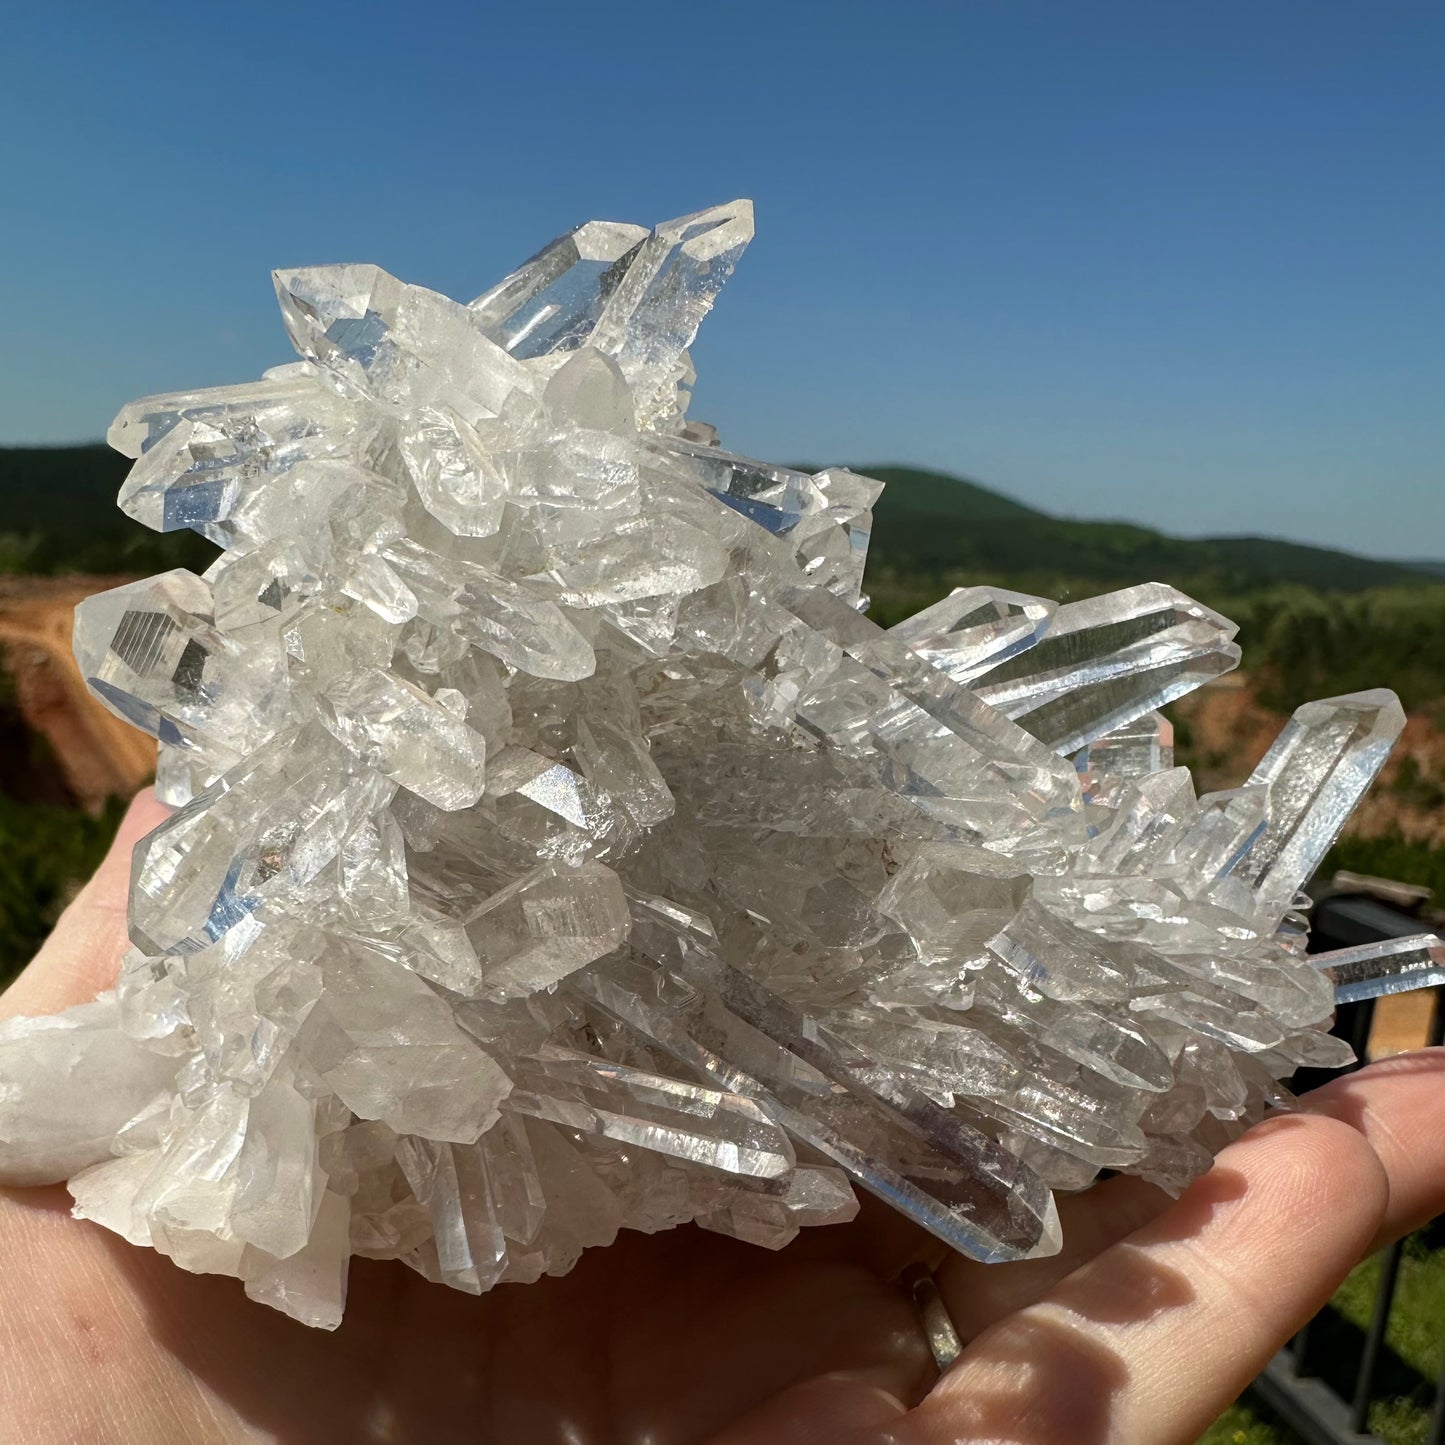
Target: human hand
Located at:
point(1153, 1318)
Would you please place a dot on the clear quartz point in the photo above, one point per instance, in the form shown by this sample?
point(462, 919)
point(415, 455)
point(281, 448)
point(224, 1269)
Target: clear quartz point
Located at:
point(150, 651)
point(199, 455)
point(560, 849)
point(402, 345)
point(552, 302)
point(652, 313)
point(827, 518)
point(977, 1199)
point(1140, 747)
point(650, 1111)
point(407, 736)
point(1392, 965)
point(1107, 661)
point(975, 628)
point(1315, 773)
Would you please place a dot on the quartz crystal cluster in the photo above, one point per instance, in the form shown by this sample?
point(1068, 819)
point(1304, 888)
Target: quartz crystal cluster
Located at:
point(560, 848)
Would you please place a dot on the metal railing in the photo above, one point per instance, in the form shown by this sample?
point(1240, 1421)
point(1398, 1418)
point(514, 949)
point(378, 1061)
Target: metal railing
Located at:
point(1324, 1382)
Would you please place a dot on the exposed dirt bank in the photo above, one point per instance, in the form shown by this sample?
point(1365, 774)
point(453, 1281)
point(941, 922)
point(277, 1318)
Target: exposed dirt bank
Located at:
point(89, 754)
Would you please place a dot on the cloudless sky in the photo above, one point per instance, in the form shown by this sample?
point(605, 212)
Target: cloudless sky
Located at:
point(1172, 262)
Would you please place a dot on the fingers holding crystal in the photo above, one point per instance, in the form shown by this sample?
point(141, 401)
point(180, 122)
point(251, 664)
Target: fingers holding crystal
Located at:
point(82, 956)
point(1146, 1343)
point(1398, 1105)
point(1092, 1222)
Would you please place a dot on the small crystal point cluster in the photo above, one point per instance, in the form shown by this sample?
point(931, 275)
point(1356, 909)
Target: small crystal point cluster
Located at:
point(559, 848)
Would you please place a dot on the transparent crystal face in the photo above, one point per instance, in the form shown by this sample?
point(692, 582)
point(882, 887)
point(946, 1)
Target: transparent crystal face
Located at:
point(559, 848)
point(552, 302)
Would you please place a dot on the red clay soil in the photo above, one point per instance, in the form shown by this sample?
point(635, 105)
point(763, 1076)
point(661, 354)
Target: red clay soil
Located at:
point(1230, 732)
point(96, 754)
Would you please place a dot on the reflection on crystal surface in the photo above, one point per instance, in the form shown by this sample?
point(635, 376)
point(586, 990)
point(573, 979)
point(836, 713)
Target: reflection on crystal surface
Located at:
point(559, 848)
point(1106, 661)
point(552, 302)
point(975, 628)
point(1393, 965)
point(1316, 772)
point(201, 454)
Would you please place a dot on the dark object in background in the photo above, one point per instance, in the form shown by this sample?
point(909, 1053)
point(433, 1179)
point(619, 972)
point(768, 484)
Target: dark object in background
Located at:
point(1325, 1381)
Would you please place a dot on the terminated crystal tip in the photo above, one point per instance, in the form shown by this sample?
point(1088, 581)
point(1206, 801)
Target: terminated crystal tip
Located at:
point(558, 848)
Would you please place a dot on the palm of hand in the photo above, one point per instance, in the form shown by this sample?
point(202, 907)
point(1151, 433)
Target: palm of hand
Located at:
point(1151, 1320)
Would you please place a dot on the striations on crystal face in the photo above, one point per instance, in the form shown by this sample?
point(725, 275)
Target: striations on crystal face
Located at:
point(559, 848)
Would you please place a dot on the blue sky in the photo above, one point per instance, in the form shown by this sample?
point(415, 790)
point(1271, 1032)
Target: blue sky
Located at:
point(1179, 263)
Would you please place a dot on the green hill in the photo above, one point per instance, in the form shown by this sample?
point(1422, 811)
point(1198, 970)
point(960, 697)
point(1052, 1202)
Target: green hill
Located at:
point(1434, 568)
point(1314, 622)
point(42, 488)
point(929, 524)
point(1319, 567)
point(58, 514)
point(914, 491)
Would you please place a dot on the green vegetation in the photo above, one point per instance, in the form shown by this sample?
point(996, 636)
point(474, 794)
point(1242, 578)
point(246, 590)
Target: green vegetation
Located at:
point(1317, 644)
point(48, 847)
point(1390, 855)
point(912, 491)
point(1415, 788)
point(929, 525)
point(1242, 1425)
point(45, 854)
point(58, 514)
point(1410, 1366)
point(1415, 1336)
point(1313, 622)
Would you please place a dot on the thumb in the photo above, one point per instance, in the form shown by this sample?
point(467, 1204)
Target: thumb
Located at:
point(82, 956)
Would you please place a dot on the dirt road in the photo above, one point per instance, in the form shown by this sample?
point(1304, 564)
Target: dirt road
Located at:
point(96, 754)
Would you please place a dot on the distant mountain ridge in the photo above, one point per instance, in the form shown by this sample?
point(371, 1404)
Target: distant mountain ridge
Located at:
point(40, 486)
point(57, 504)
point(58, 514)
point(930, 522)
point(915, 489)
